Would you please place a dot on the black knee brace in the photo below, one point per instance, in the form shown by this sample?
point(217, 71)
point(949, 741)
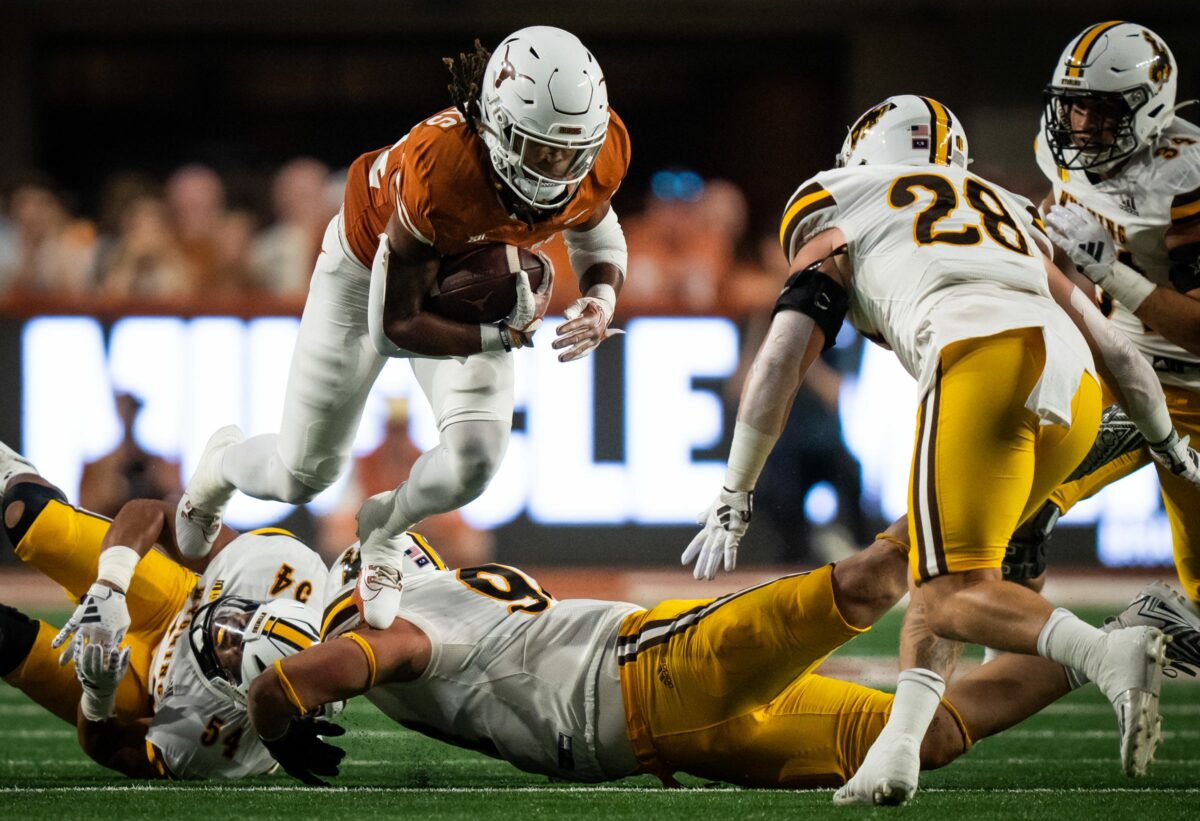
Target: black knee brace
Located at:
point(17, 634)
point(36, 497)
point(1025, 556)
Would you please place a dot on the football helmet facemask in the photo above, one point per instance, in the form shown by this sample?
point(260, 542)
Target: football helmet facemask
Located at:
point(1112, 92)
point(905, 130)
point(233, 639)
point(543, 114)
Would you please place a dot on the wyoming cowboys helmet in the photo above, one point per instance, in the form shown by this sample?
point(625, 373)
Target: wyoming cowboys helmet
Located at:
point(543, 96)
point(1112, 91)
point(905, 130)
point(233, 639)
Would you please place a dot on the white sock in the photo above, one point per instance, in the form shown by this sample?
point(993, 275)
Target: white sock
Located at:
point(918, 693)
point(1071, 642)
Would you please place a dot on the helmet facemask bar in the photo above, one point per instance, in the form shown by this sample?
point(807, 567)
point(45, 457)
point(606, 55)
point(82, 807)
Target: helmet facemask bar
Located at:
point(1100, 145)
point(217, 636)
point(544, 171)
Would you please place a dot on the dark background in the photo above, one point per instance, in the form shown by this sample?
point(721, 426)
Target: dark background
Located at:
point(759, 92)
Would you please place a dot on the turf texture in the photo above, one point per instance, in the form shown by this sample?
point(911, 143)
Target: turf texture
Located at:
point(1060, 764)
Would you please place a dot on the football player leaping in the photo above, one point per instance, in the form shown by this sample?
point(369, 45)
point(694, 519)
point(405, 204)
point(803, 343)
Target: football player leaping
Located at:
point(1125, 208)
point(950, 272)
point(581, 690)
point(162, 658)
point(529, 149)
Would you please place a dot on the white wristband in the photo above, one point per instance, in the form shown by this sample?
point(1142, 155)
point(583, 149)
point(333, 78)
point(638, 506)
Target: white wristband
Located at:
point(1125, 285)
point(116, 566)
point(607, 294)
point(747, 455)
point(96, 707)
point(493, 338)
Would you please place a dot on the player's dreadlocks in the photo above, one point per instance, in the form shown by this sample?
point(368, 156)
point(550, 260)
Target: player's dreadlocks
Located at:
point(466, 81)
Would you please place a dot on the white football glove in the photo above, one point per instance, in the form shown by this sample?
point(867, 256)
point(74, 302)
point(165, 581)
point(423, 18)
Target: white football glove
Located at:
point(101, 618)
point(1173, 454)
point(100, 669)
point(1080, 236)
point(526, 316)
point(1089, 246)
point(586, 327)
point(725, 523)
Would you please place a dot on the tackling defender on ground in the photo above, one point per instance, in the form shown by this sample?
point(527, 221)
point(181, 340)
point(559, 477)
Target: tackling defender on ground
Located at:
point(162, 658)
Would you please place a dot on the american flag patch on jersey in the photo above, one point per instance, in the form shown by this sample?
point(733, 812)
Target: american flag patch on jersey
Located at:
point(920, 136)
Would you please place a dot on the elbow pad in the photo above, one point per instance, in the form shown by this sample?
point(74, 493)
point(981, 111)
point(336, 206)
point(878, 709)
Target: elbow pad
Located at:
point(375, 300)
point(816, 295)
point(603, 243)
point(1185, 267)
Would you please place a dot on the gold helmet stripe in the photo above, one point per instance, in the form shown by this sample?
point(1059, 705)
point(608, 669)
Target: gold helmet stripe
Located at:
point(338, 613)
point(285, 632)
point(429, 551)
point(1086, 40)
point(810, 198)
point(939, 152)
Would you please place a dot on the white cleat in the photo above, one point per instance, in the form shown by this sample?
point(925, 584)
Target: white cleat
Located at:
point(378, 594)
point(888, 775)
point(1159, 605)
point(12, 464)
point(198, 516)
point(1131, 674)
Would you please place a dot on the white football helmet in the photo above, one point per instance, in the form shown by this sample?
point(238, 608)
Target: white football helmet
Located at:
point(1118, 80)
point(544, 114)
point(905, 130)
point(234, 639)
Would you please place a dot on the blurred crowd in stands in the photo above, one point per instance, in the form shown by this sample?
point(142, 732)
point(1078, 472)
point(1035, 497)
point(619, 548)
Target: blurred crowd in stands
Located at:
point(186, 242)
point(178, 239)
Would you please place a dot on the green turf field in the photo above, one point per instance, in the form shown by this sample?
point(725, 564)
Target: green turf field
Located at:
point(1061, 764)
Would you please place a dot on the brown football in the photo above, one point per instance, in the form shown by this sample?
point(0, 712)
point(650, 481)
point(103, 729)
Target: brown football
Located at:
point(479, 285)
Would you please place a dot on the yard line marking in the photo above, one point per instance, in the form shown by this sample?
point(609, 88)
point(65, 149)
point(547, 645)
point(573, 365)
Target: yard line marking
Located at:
point(1087, 734)
point(22, 710)
point(37, 733)
point(581, 788)
point(1105, 709)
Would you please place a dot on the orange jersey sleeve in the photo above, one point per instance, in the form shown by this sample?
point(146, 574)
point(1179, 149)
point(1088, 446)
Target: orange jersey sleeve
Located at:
point(440, 181)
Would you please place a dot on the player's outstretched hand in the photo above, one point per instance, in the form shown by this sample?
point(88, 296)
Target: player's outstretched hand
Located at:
point(725, 523)
point(102, 617)
point(302, 752)
point(586, 327)
point(1174, 455)
point(100, 669)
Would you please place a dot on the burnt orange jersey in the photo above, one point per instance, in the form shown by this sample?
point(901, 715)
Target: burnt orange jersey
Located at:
point(439, 180)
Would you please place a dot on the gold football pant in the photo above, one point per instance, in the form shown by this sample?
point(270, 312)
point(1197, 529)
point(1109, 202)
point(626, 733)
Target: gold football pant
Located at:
point(724, 689)
point(63, 543)
point(983, 463)
point(1181, 498)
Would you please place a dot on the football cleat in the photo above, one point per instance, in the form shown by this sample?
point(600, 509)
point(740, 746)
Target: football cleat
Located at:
point(1159, 605)
point(198, 515)
point(888, 775)
point(377, 594)
point(1130, 676)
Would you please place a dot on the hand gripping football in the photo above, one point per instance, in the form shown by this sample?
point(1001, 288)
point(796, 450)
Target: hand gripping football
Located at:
point(479, 285)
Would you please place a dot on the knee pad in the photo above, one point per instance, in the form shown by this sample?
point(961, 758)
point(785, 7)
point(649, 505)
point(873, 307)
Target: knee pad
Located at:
point(35, 497)
point(476, 454)
point(1025, 556)
point(18, 632)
